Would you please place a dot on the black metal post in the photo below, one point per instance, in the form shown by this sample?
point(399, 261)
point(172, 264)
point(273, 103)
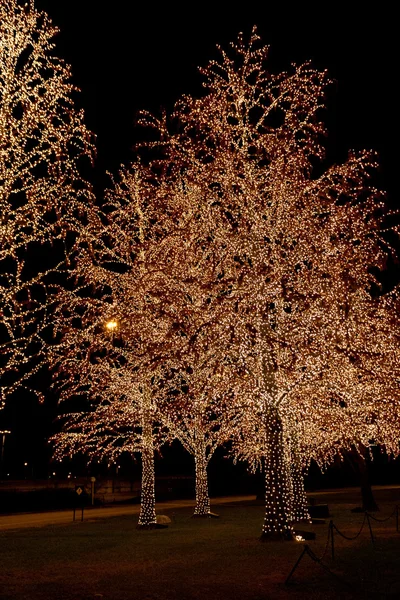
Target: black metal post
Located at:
point(370, 528)
point(305, 550)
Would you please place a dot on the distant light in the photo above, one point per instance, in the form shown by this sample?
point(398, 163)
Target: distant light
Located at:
point(25, 464)
point(299, 538)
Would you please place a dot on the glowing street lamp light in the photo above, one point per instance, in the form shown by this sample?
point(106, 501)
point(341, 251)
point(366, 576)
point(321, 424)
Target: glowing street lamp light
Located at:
point(111, 325)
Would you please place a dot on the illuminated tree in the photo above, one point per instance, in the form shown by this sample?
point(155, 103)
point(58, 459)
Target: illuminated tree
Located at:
point(290, 243)
point(115, 415)
point(42, 195)
point(196, 413)
point(123, 283)
point(233, 248)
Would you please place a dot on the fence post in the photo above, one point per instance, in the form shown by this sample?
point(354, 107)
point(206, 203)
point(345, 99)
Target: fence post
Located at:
point(397, 518)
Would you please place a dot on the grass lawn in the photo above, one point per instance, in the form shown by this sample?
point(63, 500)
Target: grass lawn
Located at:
point(199, 559)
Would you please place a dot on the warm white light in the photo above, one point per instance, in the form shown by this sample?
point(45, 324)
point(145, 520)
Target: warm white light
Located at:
point(111, 325)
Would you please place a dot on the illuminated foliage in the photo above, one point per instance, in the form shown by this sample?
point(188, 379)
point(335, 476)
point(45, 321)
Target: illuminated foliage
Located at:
point(239, 268)
point(294, 244)
point(42, 195)
point(119, 338)
point(195, 411)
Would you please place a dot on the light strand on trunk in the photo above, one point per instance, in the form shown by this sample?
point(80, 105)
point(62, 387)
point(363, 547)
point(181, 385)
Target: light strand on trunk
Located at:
point(299, 502)
point(202, 497)
point(277, 494)
point(147, 516)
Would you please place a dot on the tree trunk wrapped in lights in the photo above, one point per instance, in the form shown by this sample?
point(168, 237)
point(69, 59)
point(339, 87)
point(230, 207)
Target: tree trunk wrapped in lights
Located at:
point(277, 487)
point(147, 515)
point(196, 406)
point(298, 498)
point(202, 507)
point(121, 417)
point(199, 424)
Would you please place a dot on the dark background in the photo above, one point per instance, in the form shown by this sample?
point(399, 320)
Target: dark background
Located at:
point(127, 56)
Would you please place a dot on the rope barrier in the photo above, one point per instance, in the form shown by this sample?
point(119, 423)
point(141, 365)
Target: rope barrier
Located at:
point(327, 542)
point(347, 537)
point(383, 520)
point(317, 560)
point(306, 550)
point(331, 528)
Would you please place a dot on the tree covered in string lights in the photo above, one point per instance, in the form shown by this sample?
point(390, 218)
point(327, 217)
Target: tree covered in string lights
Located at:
point(111, 414)
point(42, 194)
point(236, 247)
point(120, 332)
point(195, 410)
point(292, 244)
point(141, 266)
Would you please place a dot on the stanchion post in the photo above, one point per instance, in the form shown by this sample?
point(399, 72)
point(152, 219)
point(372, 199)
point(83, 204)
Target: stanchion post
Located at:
point(73, 519)
point(397, 518)
point(305, 550)
point(370, 528)
point(332, 541)
point(82, 513)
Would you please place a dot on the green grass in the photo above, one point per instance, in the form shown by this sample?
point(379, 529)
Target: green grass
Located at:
point(197, 559)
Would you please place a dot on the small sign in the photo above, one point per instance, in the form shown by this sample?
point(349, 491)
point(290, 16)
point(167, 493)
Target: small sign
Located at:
point(79, 491)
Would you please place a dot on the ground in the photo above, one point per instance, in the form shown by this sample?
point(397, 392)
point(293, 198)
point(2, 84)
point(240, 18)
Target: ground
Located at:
point(194, 558)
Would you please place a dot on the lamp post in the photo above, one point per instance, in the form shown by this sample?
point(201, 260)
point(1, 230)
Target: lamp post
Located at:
point(3, 434)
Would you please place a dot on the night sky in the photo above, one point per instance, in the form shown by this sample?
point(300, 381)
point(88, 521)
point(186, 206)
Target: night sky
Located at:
point(127, 56)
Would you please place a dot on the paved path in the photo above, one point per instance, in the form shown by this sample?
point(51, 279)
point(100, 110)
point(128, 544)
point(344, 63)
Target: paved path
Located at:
point(24, 520)
point(350, 490)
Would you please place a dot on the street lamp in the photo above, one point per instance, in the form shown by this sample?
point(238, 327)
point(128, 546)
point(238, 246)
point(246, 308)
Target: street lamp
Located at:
point(111, 325)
